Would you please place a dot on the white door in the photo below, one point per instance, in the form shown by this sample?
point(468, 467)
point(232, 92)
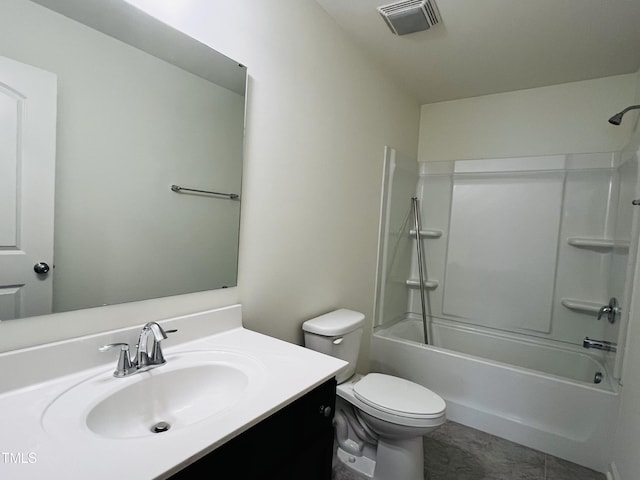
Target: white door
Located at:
point(27, 177)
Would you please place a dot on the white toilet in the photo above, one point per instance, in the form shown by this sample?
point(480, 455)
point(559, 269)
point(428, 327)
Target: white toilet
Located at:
point(379, 419)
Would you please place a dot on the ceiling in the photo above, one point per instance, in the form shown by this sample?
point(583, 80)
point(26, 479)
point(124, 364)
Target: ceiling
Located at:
point(492, 46)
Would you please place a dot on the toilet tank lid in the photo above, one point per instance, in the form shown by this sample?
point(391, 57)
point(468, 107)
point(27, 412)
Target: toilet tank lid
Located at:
point(334, 323)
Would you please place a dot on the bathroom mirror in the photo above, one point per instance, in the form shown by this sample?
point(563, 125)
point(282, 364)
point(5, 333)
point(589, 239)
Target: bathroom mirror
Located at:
point(140, 107)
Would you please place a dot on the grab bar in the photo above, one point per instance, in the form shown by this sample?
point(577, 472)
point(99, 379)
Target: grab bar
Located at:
point(178, 189)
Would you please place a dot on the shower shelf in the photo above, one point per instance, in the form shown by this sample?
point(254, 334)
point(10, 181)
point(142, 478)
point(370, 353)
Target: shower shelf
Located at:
point(430, 284)
point(581, 305)
point(592, 242)
point(426, 233)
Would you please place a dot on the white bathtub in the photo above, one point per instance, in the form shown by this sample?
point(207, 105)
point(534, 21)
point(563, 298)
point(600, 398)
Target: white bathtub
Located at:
point(538, 406)
point(569, 362)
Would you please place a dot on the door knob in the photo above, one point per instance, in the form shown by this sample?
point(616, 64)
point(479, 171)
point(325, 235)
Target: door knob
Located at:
point(41, 268)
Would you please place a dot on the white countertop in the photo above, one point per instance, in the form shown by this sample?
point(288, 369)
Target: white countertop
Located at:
point(28, 450)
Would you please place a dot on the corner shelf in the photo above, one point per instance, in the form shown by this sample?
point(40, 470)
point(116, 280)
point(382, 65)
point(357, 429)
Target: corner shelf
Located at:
point(426, 233)
point(584, 306)
point(415, 283)
point(593, 242)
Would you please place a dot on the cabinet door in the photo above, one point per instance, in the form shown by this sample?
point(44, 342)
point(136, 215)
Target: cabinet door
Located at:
point(292, 444)
point(312, 460)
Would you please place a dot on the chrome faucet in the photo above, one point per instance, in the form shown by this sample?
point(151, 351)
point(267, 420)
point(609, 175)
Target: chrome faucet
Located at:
point(149, 356)
point(610, 310)
point(148, 351)
point(599, 344)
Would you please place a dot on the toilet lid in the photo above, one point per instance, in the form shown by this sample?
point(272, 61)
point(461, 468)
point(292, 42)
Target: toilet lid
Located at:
point(398, 396)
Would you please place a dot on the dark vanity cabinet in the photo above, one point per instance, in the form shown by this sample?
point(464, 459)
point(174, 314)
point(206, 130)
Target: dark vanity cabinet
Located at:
point(294, 443)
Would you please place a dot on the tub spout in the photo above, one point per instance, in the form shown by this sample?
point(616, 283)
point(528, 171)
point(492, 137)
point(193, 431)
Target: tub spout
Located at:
point(599, 344)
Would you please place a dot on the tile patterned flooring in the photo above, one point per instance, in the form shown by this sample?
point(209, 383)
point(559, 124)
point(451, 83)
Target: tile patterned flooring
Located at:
point(456, 452)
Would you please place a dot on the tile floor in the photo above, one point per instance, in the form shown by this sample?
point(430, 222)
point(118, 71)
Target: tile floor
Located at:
point(456, 452)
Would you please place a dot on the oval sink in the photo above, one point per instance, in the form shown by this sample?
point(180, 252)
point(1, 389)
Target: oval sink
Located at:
point(189, 388)
point(177, 397)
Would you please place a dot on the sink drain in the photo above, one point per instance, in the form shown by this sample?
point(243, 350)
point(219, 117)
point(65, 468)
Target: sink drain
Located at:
point(160, 427)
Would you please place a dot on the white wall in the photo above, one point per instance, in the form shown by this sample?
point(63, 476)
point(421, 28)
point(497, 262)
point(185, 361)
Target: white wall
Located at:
point(567, 118)
point(627, 439)
point(319, 116)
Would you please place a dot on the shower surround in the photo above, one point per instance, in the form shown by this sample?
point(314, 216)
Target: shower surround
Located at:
point(520, 256)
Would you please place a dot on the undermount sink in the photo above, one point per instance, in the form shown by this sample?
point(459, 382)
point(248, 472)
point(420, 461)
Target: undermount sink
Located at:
point(191, 387)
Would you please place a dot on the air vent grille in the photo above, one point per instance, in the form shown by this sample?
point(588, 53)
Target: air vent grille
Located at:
point(410, 16)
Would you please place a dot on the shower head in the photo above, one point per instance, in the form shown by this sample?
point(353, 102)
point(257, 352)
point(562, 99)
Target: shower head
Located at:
point(617, 118)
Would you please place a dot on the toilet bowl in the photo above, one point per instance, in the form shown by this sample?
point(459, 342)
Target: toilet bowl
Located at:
point(380, 419)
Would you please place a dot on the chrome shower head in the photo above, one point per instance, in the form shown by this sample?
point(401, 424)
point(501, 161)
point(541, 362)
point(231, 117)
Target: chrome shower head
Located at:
point(617, 118)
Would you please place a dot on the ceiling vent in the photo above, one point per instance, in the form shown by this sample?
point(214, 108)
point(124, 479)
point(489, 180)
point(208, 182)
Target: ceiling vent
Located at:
point(410, 16)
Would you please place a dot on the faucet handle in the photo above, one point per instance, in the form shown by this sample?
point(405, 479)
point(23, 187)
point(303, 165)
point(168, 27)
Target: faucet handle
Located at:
point(124, 362)
point(162, 330)
point(610, 310)
point(158, 332)
point(109, 346)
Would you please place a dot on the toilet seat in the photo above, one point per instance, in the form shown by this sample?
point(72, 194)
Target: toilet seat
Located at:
point(398, 397)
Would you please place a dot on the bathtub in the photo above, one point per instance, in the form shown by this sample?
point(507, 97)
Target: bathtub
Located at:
point(548, 401)
point(570, 362)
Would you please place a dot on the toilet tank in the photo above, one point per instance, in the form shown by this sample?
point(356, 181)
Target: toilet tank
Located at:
point(338, 334)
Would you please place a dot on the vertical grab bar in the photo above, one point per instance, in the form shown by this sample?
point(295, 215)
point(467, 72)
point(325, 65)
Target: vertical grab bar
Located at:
point(418, 227)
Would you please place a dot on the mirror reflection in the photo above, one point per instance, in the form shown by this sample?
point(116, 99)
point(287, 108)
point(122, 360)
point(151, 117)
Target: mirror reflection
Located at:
point(94, 133)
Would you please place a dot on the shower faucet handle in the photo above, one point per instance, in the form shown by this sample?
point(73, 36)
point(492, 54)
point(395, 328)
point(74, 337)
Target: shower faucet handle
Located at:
point(606, 309)
point(610, 310)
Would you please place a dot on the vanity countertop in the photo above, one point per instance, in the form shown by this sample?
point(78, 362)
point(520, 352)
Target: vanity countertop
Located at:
point(30, 448)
